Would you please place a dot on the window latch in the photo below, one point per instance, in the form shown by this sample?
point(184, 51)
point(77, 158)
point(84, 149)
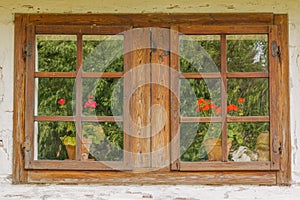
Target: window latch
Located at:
point(276, 50)
point(178, 165)
point(276, 146)
point(26, 146)
point(27, 51)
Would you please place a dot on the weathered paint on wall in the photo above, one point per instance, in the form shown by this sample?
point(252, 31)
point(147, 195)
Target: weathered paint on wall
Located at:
point(6, 97)
point(8, 8)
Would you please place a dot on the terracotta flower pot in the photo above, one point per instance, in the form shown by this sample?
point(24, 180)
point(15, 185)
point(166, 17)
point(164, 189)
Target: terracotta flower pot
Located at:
point(71, 150)
point(85, 148)
point(213, 147)
point(262, 146)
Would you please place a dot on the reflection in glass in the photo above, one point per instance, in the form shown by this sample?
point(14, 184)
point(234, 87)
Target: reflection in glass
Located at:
point(102, 96)
point(250, 141)
point(200, 97)
point(106, 140)
point(199, 53)
point(103, 53)
point(56, 53)
point(247, 53)
point(55, 96)
point(248, 97)
point(55, 140)
point(200, 142)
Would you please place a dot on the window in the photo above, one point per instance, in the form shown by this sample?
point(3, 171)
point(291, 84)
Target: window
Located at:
point(153, 99)
point(228, 77)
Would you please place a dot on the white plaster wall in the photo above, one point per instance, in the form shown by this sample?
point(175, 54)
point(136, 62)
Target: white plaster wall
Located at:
point(9, 7)
point(6, 96)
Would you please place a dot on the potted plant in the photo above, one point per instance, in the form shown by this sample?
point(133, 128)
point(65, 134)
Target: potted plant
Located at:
point(70, 144)
point(69, 139)
point(90, 131)
point(212, 139)
point(213, 143)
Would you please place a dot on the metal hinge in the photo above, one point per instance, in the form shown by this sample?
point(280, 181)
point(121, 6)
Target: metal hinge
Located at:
point(276, 146)
point(26, 146)
point(177, 165)
point(276, 50)
point(27, 51)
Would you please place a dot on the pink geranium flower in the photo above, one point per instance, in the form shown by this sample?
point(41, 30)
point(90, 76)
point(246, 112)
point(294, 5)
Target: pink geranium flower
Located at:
point(91, 104)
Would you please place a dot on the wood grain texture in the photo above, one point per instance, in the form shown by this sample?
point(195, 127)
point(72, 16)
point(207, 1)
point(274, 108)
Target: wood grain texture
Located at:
point(83, 118)
point(196, 29)
point(75, 29)
point(77, 165)
point(176, 178)
point(141, 100)
point(174, 98)
point(247, 75)
point(127, 96)
point(153, 19)
point(30, 93)
point(225, 166)
point(284, 175)
point(74, 74)
point(19, 174)
point(224, 96)
point(79, 88)
point(200, 75)
point(228, 74)
point(160, 111)
point(273, 92)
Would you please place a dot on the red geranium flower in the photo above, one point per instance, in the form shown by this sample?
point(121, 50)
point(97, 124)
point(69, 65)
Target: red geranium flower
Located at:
point(206, 107)
point(241, 100)
point(232, 107)
point(212, 106)
point(61, 101)
point(201, 101)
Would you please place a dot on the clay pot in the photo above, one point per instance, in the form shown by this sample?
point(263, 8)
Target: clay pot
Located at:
point(71, 150)
point(85, 149)
point(262, 146)
point(213, 147)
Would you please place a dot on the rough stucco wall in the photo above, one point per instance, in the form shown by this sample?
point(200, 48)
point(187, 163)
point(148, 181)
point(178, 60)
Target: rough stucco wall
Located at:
point(8, 8)
point(6, 97)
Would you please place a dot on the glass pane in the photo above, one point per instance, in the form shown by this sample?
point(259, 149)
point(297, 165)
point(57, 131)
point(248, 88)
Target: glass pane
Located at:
point(103, 53)
point(248, 97)
point(199, 53)
point(249, 141)
point(55, 140)
point(200, 142)
point(247, 53)
point(55, 96)
point(200, 97)
point(103, 96)
point(106, 140)
point(56, 53)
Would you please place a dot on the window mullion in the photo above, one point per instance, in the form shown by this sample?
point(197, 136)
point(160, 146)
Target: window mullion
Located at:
point(79, 97)
point(174, 101)
point(224, 98)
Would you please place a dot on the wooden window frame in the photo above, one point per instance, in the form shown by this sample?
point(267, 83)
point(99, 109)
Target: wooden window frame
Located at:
point(78, 118)
point(223, 75)
point(223, 24)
